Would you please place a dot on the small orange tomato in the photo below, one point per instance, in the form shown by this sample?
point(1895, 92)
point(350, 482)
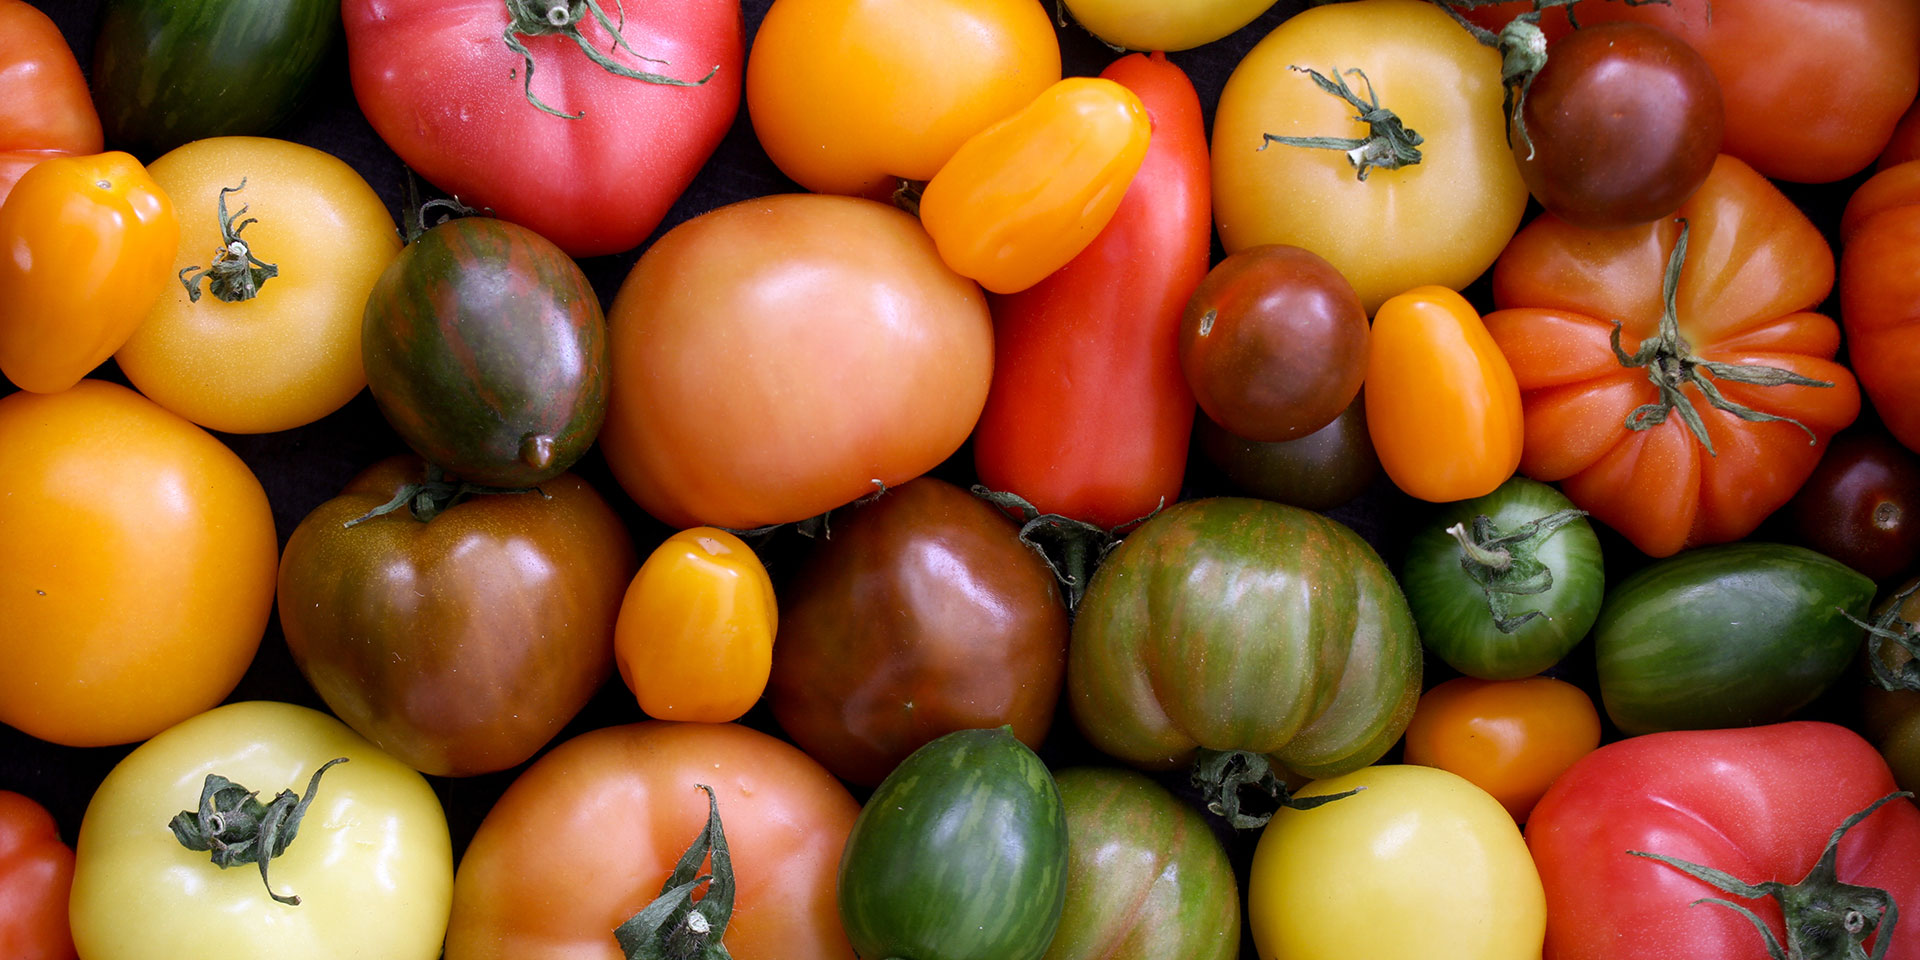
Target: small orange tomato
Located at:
point(695, 636)
point(1511, 738)
point(1442, 403)
point(1024, 196)
point(89, 244)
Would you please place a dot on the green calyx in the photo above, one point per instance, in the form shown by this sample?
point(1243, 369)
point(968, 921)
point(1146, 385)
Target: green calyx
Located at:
point(817, 527)
point(1671, 365)
point(237, 828)
point(1892, 626)
point(674, 927)
point(1389, 144)
point(434, 495)
point(1826, 919)
point(539, 18)
point(1221, 775)
point(1072, 548)
point(1503, 564)
point(235, 274)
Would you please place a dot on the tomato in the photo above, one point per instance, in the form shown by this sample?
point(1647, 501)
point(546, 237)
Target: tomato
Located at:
point(366, 860)
point(923, 614)
point(851, 97)
point(45, 111)
point(91, 240)
point(1503, 586)
point(1880, 295)
point(268, 338)
point(1151, 25)
point(1274, 343)
point(774, 358)
point(580, 843)
point(460, 640)
point(1905, 144)
point(1627, 424)
point(1319, 471)
point(1088, 416)
point(1890, 712)
point(1510, 738)
point(36, 876)
point(1442, 405)
point(1440, 221)
point(1862, 505)
point(1760, 805)
point(1620, 127)
point(138, 553)
point(166, 72)
point(1418, 864)
point(694, 640)
point(585, 154)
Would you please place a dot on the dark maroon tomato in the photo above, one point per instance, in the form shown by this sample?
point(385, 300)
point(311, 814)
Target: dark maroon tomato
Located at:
point(486, 349)
point(923, 614)
point(1623, 125)
point(1861, 506)
point(1274, 343)
point(1319, 471)
point(461, 644)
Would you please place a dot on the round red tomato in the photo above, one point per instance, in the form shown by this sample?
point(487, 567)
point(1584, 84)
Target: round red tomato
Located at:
point(36, 875)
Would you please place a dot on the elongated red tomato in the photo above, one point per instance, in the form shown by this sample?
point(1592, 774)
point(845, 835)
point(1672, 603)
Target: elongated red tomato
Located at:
point(1089, 413)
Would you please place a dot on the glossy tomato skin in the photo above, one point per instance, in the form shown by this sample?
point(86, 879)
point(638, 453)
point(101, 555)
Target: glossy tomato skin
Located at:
point(139, 553)
point(694, 639)
point(460, 645)
point(1622, 126)
point(440, 86)
point(1891, 718)
point(1862, 505)
point(1510, 738)
point(785, 818)
point(1905, 144)
point(486, 349)
point(45, 110)
point(36, 877)
point(1319, 471)
point(1274, 343)
point(1880, 295)
point(921, 615)
point(1148, 25)
point(1758, 803)
point(773, 358)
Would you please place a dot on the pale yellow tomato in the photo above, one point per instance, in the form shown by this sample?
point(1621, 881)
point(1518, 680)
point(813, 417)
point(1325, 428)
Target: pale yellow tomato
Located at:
point(1164, 24)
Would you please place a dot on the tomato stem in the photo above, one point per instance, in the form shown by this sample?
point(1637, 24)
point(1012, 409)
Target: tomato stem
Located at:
point(235, 274)
point(237, 828)
point(1503, 564)
point(1222, 774)
point(433, 496)
point(1892, 626)
point(538, 18)
point(1072, 548)
point(1389, 144)
point(673, 926)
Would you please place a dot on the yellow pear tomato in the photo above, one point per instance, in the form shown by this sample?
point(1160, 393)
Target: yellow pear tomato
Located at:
point(1443, 406)
point(695, 636)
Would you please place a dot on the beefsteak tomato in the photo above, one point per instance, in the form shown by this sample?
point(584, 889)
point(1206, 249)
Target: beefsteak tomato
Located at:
point(45, 110)
point(1880, 295)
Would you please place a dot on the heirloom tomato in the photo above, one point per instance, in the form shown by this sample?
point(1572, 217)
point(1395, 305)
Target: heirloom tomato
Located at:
point(1671, 374)
point(1905, 144)
point(1156, 25)
point(1890, 712)
point(584, 152)
point(36, 877)
point(136, 566)
point(1393, 223)
point(45, 110)
point(852, 97)
point(1615, 836)
point(1319, 471)
point(1880, 295)
point(694, 640)
point(1862, 505)
point(775, 358)
point(361, 862)
point(279, 246)
point(581, 842)
point(1510, 738)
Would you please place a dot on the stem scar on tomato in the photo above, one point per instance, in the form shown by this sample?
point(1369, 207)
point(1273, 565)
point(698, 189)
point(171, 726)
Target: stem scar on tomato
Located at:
point(538, 18)
point(1222, 774)
point(1503, 563)
point(237, 828)
point(234, 274)
point(1389, 144)
point(673, 927)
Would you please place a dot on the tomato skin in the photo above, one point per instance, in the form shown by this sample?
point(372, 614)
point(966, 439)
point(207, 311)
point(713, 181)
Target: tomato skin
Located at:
point(439, 85)
point(1089, 415)
point(1442, 404)
point(1510, 738)
point(1880, 295)
point(1148, 25)
point(785, 818)
point(851, 97)
point(1862, 505)
point(694, 640)
point(1891, 718)
point(1758, 803)
point(291, 354)
point(92, 239)
point(1319, 471)
point(139, 554)
point(36, 876)
point(1905, 144)
point(45, 110)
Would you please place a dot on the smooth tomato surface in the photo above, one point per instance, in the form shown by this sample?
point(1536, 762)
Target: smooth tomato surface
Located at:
point(45, 110)
point(1880, 295)
point(36, 877)
point(1510, 738)
point(694, 640)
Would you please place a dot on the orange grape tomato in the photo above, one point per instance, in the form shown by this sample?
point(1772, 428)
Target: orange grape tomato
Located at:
point(695, 636)
point(1511, 738)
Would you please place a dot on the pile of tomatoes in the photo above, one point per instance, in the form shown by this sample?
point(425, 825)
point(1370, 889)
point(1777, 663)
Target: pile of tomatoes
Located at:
point(1382, 478)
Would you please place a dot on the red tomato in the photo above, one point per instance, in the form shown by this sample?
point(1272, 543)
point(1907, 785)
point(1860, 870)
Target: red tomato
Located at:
point(36, 874)
point(45, 110)
point(1880, 295)
point(1905, 144)
point(440, 84)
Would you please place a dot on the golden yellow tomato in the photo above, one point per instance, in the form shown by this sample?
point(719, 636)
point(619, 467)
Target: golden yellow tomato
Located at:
point(695, 636)
point(1164, 25)
point(269, 338)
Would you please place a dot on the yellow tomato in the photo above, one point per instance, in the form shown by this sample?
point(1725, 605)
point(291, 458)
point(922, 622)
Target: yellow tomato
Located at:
point(137, 565)
point(851, 96)
point(695, 636)
point(1440, 221)
point(1443, 406)
point(1419, 865)
point(1164, 25)
point(1511, 738)
point(284, 351)
point(1024, 196)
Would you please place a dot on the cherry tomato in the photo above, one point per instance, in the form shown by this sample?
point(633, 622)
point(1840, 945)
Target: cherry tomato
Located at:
point(1319, 471)
point(1861, 506)
point(36, 877)
point(695, 636)
point(1510, 738)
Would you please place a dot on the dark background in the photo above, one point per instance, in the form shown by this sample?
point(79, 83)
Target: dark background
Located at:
point(302, 468)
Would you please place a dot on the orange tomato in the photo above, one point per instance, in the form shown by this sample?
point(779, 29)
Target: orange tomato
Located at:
point(45, 109)
point(695, 636)
point(1511, 738)
point(1442, 404)
point(138, 558)
point(90, 244)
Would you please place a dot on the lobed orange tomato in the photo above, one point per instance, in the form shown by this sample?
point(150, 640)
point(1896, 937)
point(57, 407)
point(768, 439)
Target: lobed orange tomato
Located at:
point(1510, 738)
point(695, 636)
point(1880, 295)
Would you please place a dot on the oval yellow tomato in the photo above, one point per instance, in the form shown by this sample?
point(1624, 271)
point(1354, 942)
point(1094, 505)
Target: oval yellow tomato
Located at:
point(137, 564)
point(1511, 738)
point(1159, 25)
point(1419, 865)
point(695, 636)
point(272, 342)
point(1443, 406)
